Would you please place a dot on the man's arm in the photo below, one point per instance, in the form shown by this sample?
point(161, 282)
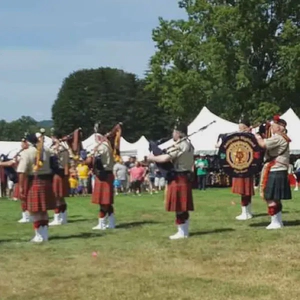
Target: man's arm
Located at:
point(261, 142)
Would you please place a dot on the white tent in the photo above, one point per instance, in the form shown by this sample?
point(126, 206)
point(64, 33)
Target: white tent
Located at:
point(10, 148)
point(142, 146)
point(126, 148)
point(293, 127)
point(206, 140)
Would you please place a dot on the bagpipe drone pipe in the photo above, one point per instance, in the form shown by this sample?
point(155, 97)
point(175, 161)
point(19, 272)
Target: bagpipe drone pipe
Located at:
point(10, 172)
point(167, 168)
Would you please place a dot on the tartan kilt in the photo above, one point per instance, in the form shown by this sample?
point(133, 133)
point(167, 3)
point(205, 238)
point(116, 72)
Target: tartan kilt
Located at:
point(278, 186)
point(103, 192)
point(40, 196)
point(61, 185)
point(179, 196)
point(16, 192)
point(243, 186)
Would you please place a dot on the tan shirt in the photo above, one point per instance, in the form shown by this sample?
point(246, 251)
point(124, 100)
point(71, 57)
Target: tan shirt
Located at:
point(105, 151)
point(182, 156)
point(275, 145)
point(62, 155)
point(28, 159)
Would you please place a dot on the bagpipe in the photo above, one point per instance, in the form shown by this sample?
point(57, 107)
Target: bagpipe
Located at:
point(112, 138)
point(167, 168)
point(40, 150)
point(10, 172)
point(73, 143)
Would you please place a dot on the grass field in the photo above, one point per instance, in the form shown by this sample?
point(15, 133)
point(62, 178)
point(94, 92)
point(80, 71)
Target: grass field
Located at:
point(222, 259)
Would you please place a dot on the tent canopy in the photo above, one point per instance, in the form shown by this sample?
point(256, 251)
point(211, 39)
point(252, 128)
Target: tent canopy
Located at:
point(206, 140)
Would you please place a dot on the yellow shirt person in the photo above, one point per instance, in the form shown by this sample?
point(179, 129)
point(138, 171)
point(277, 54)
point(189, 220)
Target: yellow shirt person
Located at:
point(83, 175)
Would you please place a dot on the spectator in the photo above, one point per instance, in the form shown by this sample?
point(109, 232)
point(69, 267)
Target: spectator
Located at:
point(159, 181)
point(83, 176)
point(151, 177)
point(297, 172)
point(120, 173)
point(201, 165)
point(131, 162)
point(73, 184)
point(10, 187)
point(137, 175)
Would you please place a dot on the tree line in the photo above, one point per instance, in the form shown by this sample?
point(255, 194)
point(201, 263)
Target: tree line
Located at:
point(15, 130)
point(235, 57)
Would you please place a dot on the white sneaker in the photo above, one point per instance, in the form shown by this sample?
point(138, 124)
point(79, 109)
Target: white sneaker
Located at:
point(64, 217)
point(44, 233)
point(57, 220)
point(276, 222)
point(246, 213)
point(38, 238)
point(25, 218)
point(111, 222)
point(296, 189)
point(181, 233)
point(101, 225)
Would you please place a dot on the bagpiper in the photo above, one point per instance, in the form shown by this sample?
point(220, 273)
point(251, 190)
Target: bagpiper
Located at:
point(274, 183)
point(106, 152)
point(244, 186)
point(179, 196)
point(60, 165)
point(34, 166)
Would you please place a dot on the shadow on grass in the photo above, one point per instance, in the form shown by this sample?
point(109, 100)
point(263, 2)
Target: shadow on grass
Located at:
point(136, 224)
point(217, 230)
point(260, 215)
point(84, 235)
point(285, 223)
point(81, 220)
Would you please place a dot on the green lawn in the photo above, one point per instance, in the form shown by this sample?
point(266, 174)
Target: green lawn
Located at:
point(222, 259)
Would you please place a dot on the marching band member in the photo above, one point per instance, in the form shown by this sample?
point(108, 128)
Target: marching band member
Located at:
point(179, 197)
point(34, 165)
point(274, 185)
point(60, 158)
point(105, 154)
point(244, 186)
point(16, 193)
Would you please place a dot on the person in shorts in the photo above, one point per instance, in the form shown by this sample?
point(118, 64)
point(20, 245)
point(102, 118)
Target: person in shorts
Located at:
point(159, 181)
point(121, 173)
point(83, 176)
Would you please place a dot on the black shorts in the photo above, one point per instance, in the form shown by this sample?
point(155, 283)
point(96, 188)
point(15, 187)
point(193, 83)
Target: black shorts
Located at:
point(135, 185)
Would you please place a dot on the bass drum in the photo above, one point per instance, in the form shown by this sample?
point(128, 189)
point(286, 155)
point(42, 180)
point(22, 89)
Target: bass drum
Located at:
point(240, 155)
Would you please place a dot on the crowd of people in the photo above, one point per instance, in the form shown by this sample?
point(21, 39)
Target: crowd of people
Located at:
point(131, 176)
point(137, 177)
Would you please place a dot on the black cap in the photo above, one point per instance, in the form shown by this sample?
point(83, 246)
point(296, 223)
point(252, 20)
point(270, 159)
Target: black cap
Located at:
point(245, 121)
point(31, 138)
point(181, 127)
point(282, 122)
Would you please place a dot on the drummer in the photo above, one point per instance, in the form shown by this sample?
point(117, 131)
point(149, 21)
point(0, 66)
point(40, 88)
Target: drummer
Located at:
point(244, 186)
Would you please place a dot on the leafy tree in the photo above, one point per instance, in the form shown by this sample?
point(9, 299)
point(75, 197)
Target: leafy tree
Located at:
point(110, 96)
point(229, 55)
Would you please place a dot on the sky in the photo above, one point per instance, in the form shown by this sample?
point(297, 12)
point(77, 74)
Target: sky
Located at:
point(43, 41)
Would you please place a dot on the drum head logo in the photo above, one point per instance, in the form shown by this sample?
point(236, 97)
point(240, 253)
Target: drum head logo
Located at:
point(240, 155)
